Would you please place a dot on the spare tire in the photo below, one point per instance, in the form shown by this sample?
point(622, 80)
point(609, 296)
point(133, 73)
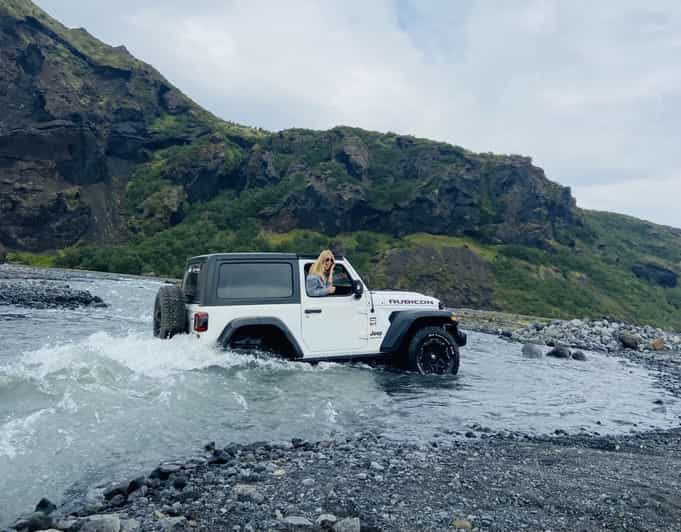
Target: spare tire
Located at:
point(170, 315)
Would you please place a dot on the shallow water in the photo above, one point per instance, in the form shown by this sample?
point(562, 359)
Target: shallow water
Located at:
point(89, 394)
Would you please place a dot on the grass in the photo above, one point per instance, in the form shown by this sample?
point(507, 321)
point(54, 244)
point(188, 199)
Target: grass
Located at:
point(32, 259)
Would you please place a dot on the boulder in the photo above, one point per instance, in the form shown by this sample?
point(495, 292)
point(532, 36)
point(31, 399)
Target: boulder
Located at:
point(629, 341)
point(46, 506)
point(33, 522)
point(658, 344)
point(578, 355)
point(532, 351)
point(559, 352)
point(349, 524)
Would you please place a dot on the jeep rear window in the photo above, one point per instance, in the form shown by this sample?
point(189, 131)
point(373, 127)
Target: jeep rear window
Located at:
point(190, 283)
point(255, 280)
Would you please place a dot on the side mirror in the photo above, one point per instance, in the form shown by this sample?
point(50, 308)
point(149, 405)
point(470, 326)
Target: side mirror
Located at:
point(357, 288)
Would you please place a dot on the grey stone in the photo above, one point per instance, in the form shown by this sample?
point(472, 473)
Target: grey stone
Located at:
point(34, 521)
point(326, 520)
point(578, 355)
point(297, 521)
point(173, 523)
point(532, 351)
point(630, 341)
point(101, 523)
point(349, 524)
point(129, 525)
point(559, 352)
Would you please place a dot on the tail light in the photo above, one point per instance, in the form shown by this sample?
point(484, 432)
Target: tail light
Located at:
point(201, 321)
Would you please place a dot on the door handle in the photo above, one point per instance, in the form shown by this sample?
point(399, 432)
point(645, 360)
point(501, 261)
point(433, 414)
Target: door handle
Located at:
point(313, 311)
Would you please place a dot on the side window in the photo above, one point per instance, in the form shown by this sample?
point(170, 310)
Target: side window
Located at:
point(190, 283)
point(341, 280)
point(255, 280)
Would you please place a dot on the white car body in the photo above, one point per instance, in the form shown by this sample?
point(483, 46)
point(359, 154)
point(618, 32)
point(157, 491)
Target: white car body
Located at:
point(352, 325)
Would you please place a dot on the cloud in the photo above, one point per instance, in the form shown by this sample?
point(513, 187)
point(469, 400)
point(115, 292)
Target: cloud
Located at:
point(592, 91)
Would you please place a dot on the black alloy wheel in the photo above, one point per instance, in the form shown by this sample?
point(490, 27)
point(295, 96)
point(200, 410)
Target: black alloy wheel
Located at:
point(433, 351)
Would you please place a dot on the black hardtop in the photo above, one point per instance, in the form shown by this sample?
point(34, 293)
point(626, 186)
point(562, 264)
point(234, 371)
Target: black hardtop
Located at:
point(256, 256)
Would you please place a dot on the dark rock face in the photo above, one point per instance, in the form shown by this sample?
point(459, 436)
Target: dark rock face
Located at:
point(656, 274)
point(456, 275)
point(356, 180)
point(72, 112)
point(80, 121)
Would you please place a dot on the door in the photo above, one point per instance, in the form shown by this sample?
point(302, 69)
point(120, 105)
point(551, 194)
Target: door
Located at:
point(337, 324)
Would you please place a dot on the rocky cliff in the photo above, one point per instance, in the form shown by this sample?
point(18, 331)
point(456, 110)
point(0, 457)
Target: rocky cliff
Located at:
point(97, 146)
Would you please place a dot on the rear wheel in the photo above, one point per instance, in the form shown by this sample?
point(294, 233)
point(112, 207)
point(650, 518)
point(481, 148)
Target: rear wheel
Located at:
point(433, 351)
point(170, 316)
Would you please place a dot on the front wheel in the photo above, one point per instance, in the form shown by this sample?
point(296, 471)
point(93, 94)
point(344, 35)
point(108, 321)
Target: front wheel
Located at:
point(433, 351)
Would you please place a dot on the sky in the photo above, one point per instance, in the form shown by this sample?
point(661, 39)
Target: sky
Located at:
point(590, 90)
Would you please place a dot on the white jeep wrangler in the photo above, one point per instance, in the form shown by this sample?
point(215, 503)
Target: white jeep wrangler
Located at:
point(258, 301)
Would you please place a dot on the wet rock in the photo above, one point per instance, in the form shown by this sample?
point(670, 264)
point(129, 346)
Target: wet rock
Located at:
point(578, 355)
point(296, 521)
point(246, 492)
point(45, 506)
point(130, 525)
point(559, 352)
point(33, 522)
point(179, 483)
point(349, 524)
point(135, 484)
point(532, 351)
point(629, 341)
point(117, 500)
point(116, 489)
point(101, 523)
point(173, 523)
point(308, 482)
point(326, 521)
point(658, 344)
point(46, 295)
point(220, 457)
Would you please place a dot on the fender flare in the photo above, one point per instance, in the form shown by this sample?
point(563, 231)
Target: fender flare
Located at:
point(402, 321)
point(236, 324)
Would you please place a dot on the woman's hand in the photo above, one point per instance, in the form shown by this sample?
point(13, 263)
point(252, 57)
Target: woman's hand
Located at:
point(332, 289)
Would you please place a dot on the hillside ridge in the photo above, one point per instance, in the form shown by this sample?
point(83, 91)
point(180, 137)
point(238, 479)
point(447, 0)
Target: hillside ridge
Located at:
point(104, 164)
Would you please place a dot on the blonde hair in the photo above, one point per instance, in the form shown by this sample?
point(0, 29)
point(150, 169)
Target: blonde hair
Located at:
point(317, 267)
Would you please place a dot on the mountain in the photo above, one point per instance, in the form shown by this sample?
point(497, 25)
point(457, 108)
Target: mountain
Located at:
point(104, 164)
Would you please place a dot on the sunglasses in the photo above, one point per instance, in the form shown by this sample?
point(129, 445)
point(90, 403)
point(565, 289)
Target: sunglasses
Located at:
point(327, 259)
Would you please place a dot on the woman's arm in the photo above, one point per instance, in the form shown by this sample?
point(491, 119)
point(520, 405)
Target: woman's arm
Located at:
point(315, 287)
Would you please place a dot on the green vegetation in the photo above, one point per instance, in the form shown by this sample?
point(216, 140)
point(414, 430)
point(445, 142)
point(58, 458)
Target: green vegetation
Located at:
point(32, 259)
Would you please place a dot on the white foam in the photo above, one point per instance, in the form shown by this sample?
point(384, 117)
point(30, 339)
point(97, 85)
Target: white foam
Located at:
point(15, 434)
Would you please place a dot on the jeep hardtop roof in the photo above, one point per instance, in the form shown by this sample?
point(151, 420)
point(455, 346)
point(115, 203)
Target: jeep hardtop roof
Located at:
point(255, 256)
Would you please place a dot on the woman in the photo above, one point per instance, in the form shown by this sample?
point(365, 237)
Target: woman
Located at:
point(319, 280)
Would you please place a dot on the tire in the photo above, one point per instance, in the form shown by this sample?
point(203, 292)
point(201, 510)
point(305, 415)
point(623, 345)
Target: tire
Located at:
point(170, 316)
point(433, 351)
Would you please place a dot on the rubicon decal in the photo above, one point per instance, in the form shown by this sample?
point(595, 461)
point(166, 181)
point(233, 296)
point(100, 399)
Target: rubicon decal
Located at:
point(410, 302)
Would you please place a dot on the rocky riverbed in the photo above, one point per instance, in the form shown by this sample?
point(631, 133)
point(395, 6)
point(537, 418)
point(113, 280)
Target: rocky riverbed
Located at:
point(489, 482)
point(32, 288)
point(471, 478)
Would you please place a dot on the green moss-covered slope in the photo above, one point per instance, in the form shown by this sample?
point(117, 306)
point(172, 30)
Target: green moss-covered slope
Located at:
point(105, 165)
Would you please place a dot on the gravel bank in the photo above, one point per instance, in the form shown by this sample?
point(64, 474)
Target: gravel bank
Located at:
point(487, 482)
point(33, 288)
